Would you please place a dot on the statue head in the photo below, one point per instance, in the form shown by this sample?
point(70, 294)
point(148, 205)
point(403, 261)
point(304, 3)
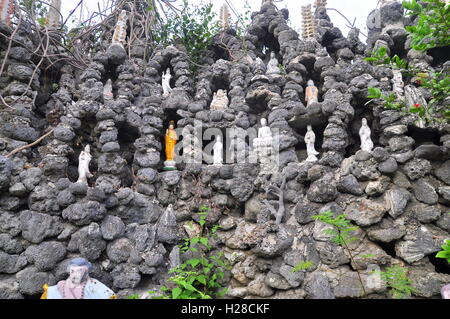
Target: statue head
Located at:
point(309, 128)
point(78, 270)
point(218, 138)
point(310, 83)
point(364, 121)
point(172, 124)
point(263, 122)
point(272, 55)
point(221, 93)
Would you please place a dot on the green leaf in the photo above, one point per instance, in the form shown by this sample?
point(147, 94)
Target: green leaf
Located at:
point(176, 292)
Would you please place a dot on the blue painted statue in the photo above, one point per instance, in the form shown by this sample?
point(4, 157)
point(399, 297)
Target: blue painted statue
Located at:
point(79, 285)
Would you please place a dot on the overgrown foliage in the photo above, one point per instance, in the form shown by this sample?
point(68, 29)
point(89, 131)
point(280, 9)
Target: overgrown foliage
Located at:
point(199, 277)
point(193, 26)
point(397, 279)
point(433, 25)
point(341, 233)
point(445, 252)
point(437, 83)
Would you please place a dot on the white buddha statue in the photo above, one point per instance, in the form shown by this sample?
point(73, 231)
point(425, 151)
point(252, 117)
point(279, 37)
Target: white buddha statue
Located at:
point(263, 143)
point(272, 67)
point(220, 100)
point(364, 134)
point(107, 91)
point(166, 82)
point(310, 140)
point(83, 165)
point(218, 151)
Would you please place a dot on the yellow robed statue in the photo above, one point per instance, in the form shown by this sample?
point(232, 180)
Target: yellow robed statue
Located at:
point(171, 139)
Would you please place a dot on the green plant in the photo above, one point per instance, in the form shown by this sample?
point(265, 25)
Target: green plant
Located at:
point(37, 9)
point(304, 265)
point(397, 279)
point(390, 101)
point(198, 277)
point(380, 57)
point(341, 233)
point(433, 24)
point(193, 27)
point(445, 252)
point(439, 86)
point(244, 20)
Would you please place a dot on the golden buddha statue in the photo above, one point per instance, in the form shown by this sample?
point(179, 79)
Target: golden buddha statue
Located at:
point(171, 139)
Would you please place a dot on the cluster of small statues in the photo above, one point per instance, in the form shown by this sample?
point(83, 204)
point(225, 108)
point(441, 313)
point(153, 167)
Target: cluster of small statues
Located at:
point(78, 285)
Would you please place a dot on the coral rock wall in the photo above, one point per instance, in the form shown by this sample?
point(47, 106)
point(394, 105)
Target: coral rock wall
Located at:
point(399, 194)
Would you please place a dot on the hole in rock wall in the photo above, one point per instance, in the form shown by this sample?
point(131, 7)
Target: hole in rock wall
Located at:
point(169, 115)
point(440, 264)
point(270, 43)
point(354, 138)
point(440, 55)
point(389, 248)
point(423, 136)
point(83, 137)
point(126, 137)
point(300, 147)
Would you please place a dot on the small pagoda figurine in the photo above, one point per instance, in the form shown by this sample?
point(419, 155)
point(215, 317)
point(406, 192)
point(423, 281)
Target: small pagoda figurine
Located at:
point(171, 139)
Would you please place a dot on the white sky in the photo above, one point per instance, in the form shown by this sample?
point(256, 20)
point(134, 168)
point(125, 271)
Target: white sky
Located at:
point(352, 9)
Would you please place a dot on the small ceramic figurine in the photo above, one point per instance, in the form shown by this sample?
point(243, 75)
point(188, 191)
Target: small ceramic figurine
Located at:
point(310, 140)
point(272, 67)
point(120, 32)
point(263, 143)
point(83, 165)
point(311, 93)
point(445, 292)
point(364, 134)
point(54, 14)
point(259, 66)
point(171, 139)
point(7, 8)
point(218, 151)
point(79, 285)
point(107, 91)
point(220, 100)
point(166, 82)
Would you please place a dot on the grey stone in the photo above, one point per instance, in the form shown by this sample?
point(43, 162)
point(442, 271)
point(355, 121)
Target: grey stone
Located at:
point(119, 250)
point(397, 199)
point(241, 188)
point(317, 286)
point(257, 287)
point(380, 154)
point(425, 192)
point(273, 244)
point(9, 223)
point(18, 189)
point(36, 226)
point(147, 175)
point(387, 231)
point(10, 264)
point(388, 166)
point(444, 222)
point(443, 172)
point(366, 212)
point(295, 279)
point(83, 213)
point(430, 152)
point(11, 245)
point(9, 288)
point(112, 227)
point(417, 168)
point(167, 230)
point(444, 192)
point(331, 254)
point(31, 281)
point(46, 255)
point(116, 54)
point(171, 178)
point(276, 281)
point(125, 276)
point(322, 191)
point(427, 284)
point(349, 184)
point(425, 213)
point(88, 241)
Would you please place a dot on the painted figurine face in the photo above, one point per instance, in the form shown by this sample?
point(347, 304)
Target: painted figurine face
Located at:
point(310, 83)
point(77, 274)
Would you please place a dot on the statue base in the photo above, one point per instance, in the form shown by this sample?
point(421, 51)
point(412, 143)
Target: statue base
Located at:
point(170, 166)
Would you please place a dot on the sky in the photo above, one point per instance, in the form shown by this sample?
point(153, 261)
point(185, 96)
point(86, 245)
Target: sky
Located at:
point(352, 9)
